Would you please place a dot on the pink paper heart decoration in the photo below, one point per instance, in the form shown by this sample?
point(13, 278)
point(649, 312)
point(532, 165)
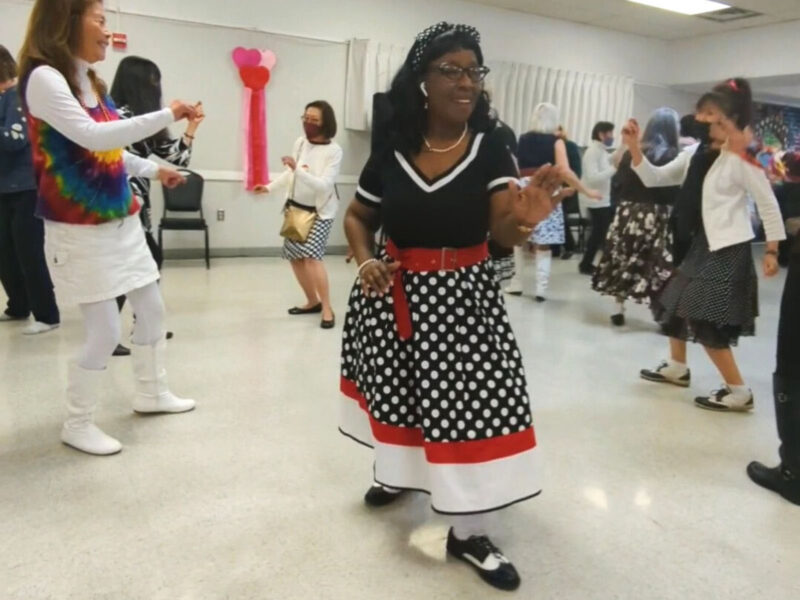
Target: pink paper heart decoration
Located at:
point(268, 59)
point(246, 58)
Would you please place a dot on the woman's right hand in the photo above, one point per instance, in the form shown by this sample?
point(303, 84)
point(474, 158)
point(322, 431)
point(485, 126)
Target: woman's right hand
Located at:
point(261, 189)
point(182, 110)
point(378, 277)
point(631, 132)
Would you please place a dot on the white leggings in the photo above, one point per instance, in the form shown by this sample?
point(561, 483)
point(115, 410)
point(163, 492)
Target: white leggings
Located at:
point(104, 329)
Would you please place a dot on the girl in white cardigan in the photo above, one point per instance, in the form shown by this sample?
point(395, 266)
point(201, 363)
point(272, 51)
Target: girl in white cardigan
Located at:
point(310, 177)
point(712, 297)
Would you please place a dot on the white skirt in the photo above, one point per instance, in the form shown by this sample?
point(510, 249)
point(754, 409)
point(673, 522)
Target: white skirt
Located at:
point(92, 263)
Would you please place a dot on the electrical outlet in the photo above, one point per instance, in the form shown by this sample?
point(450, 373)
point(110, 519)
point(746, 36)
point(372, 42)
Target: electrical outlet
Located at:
point(220, 215)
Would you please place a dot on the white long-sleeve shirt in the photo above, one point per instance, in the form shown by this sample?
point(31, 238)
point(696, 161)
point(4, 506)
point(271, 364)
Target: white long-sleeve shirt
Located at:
point(50, 99)
point(598, 169)
point(312, 183)
point(725, 207)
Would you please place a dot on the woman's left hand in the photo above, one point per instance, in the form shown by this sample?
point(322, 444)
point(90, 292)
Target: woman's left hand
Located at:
point(770, 265)
point(534, 203)
point(288, 161)
point(170, 178)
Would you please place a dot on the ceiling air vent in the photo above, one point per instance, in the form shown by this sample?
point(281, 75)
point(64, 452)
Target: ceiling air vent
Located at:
point(728, 15)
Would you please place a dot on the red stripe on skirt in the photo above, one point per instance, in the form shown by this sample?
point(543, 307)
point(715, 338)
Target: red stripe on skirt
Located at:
point(464, 452)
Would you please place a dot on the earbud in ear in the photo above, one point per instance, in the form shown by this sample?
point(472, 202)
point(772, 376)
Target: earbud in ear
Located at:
point(423, 89)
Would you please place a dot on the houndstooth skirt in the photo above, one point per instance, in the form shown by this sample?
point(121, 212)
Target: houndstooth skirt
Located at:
point(314, 247)
point(637, 256)
point(712, 298)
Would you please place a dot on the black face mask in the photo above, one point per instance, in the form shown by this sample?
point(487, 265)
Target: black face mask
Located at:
point(702, 132)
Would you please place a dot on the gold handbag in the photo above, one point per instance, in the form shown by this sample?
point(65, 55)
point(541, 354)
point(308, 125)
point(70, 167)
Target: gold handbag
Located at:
point(297, 221)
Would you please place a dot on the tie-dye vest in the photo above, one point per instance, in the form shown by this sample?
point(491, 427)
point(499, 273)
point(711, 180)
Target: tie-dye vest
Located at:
point(76, 185)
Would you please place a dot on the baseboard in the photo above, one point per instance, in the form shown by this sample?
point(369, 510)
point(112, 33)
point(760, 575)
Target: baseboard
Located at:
point(274, 251)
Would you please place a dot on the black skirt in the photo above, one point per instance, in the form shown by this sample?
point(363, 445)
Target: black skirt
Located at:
point(637, 256)
point(712, 298)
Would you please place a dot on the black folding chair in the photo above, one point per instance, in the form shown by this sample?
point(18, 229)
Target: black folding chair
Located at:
point(186, 198)
point(574, 221)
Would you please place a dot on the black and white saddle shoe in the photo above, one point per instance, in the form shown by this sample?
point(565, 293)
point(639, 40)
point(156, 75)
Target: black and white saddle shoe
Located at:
point(487, 559)
point(378, 495)
point(723, 400)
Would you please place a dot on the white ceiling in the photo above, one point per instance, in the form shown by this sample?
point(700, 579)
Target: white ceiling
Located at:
point(622, 15)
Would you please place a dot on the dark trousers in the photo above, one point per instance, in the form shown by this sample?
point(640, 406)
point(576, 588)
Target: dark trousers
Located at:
point(23, 270)
point(789, 322)
point(601, 221)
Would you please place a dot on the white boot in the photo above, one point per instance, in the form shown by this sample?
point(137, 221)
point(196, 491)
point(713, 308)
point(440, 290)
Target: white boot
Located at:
point(514, 286)
point(79, 430)
point(152, 392)
point(544, 260)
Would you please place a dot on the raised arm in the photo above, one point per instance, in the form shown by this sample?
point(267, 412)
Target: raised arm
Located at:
point(568, 175)
point(50, 99)
point(325, 181)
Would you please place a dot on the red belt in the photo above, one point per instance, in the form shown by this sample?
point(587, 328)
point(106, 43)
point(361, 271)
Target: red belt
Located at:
point(416, 260)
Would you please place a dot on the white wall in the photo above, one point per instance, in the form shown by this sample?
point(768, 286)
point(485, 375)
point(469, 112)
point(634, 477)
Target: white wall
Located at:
point(194, 59)
point(766, 51)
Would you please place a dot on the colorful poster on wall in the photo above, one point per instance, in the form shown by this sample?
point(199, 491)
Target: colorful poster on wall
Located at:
point(255, 67)
point(777, 130)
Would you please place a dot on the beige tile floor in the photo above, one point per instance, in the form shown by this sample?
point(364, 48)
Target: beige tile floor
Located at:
point(256, 496)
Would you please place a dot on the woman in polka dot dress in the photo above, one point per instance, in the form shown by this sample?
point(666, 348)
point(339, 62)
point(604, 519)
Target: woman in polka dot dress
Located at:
point(432, 378)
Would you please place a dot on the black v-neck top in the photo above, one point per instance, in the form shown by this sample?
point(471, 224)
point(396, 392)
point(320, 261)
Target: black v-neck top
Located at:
point(450, 211)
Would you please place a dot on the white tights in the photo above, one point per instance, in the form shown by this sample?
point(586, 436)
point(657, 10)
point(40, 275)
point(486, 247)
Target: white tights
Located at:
point(104, 329)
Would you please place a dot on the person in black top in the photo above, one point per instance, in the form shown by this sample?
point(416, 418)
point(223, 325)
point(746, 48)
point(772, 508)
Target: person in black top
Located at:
point(637, 257)
point(136, 90)
point(432, 377)
point(23, 268)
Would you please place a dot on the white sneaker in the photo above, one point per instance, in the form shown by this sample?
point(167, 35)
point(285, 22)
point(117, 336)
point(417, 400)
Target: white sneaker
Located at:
point(90, 438)
point(4, 316)
point(38, 327)
point(668, 372)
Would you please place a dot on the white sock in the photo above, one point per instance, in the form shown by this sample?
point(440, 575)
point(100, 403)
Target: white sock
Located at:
point(620, 304)
point(386, 488)
point(465, 526)
point(741, 392)
point(677, 366)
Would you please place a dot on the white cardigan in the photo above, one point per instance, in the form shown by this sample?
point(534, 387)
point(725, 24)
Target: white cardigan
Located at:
point(315, 177)
point(726, 214)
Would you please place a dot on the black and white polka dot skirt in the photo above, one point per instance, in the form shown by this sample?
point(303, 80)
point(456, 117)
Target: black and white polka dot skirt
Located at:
point(314, 247)
point(712, 298)
point(447, 411)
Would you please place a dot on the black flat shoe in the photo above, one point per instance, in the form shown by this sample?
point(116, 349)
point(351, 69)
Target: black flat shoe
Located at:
point(170, 335)
point(377, 496)
point(317, 308)
point(121, 350)
point(778, 479)
point(618, 320)
point(328, 324)
point(487, 559)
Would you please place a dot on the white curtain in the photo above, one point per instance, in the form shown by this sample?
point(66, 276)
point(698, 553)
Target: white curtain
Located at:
point(371, 66)
point(516, 88)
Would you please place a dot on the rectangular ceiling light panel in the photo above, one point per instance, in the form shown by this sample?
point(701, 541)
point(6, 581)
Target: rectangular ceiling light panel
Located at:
point(684, 7)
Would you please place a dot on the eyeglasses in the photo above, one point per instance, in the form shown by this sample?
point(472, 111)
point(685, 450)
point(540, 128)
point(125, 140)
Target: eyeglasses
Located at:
point(455, 73)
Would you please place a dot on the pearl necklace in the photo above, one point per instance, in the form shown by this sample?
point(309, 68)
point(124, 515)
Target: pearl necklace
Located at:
point(448, 149)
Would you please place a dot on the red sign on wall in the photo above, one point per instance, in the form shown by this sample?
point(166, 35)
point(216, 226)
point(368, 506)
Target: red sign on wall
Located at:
point(119, 41)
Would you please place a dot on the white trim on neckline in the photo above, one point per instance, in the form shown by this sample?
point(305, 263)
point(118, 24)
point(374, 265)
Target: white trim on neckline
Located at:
point(430, 188)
